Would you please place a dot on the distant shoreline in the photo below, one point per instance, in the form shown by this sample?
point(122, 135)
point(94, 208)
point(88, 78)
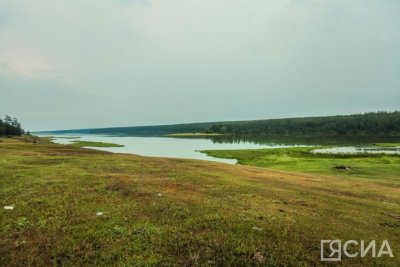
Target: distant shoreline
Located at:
point(193, 134)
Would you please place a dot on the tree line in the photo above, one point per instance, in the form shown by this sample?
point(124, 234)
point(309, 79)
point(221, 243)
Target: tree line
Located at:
point(10, 126)
point(372, 124)
point(367, 124)
point(156, 130)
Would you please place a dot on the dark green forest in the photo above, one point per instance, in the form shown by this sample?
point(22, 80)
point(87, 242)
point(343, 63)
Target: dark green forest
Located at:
point(368, 124)
point(385, 124)
point(10, 126)
point(157, 130)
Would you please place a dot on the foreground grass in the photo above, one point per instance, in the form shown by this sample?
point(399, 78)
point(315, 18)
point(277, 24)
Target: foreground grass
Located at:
point(93, 144)
point(159, 211)
point(375, 167)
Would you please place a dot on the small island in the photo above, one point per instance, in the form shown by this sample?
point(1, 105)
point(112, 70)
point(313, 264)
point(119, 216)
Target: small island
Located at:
point(94, 144)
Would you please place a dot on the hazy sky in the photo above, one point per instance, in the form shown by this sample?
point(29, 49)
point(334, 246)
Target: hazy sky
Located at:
point(98, 63)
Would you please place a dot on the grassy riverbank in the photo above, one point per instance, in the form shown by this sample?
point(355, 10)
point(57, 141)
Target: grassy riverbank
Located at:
point(158, 211)
point(375, 167)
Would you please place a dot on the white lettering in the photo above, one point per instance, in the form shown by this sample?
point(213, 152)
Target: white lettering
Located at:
point(350, 255)
point(371, 246)
point(389, 252)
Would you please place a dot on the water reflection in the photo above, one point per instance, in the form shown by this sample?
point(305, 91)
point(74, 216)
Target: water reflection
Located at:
point(310, 140)
point(167, 147)
point(175, 147)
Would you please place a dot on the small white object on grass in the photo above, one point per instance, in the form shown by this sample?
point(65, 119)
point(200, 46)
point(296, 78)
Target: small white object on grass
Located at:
point(8, 207)
point(99, 213)
point(159, 195)
point(257, 228)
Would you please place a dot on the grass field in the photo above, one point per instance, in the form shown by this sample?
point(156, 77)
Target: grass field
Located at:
point(79, 207)
point(374, 167)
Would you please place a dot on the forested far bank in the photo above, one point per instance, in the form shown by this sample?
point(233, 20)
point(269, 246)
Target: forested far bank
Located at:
point(10, 126)
point(378, 123)
point(368, 124)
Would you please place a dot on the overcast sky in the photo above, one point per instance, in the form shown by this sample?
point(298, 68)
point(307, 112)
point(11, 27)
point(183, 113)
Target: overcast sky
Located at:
point(99, 63)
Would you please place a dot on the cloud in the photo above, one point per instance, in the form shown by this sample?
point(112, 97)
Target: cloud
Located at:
point(227, 59)
point(26, 65)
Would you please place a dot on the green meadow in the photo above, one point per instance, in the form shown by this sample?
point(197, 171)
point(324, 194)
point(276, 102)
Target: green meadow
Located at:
point(74, 206)
point(374, 167)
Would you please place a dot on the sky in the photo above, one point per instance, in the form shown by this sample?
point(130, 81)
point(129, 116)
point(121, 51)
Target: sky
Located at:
point(71, 64)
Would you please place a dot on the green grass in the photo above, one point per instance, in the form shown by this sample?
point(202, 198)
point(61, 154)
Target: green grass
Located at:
point(376, 167)
point(174, 212)
point(387, 144)
point(93, 144)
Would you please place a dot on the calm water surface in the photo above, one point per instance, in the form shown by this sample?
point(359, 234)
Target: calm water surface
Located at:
point(188, 148)
point(166, 147)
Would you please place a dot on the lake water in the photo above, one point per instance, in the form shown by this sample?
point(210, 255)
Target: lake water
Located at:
point(187, 148)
